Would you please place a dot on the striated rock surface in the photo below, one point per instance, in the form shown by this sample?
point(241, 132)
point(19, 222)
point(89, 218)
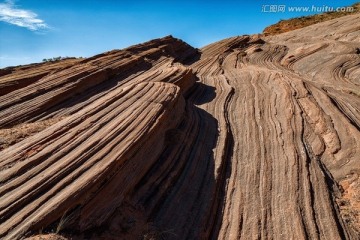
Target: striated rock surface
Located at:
point(251, 137)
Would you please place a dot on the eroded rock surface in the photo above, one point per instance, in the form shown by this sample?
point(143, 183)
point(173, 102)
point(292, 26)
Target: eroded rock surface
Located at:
point(247, 138)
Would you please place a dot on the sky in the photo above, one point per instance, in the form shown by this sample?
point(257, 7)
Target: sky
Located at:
point(31, 30)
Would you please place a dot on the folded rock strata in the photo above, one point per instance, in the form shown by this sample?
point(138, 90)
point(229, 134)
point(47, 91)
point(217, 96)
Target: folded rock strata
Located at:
point(251, 137)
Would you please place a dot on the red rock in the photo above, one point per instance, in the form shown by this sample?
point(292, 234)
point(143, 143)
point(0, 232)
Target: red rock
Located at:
point(256, 138)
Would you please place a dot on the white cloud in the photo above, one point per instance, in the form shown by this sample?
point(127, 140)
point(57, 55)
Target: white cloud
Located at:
point(20, 17)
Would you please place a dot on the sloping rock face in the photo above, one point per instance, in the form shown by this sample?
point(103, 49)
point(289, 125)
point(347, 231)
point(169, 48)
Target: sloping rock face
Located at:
point(249, 138)
point(104, 113)
point(293, 114)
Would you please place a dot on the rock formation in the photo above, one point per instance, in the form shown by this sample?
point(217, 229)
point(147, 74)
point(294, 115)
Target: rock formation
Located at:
point(251, 137)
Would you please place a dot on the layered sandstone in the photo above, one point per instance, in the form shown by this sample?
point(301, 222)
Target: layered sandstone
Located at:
point(250, 137)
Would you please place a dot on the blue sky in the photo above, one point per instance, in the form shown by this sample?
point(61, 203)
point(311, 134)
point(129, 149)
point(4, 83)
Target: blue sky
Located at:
point(31, 30)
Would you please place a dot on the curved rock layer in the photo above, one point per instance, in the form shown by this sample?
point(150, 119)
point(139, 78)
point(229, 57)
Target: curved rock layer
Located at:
point(258, 138)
